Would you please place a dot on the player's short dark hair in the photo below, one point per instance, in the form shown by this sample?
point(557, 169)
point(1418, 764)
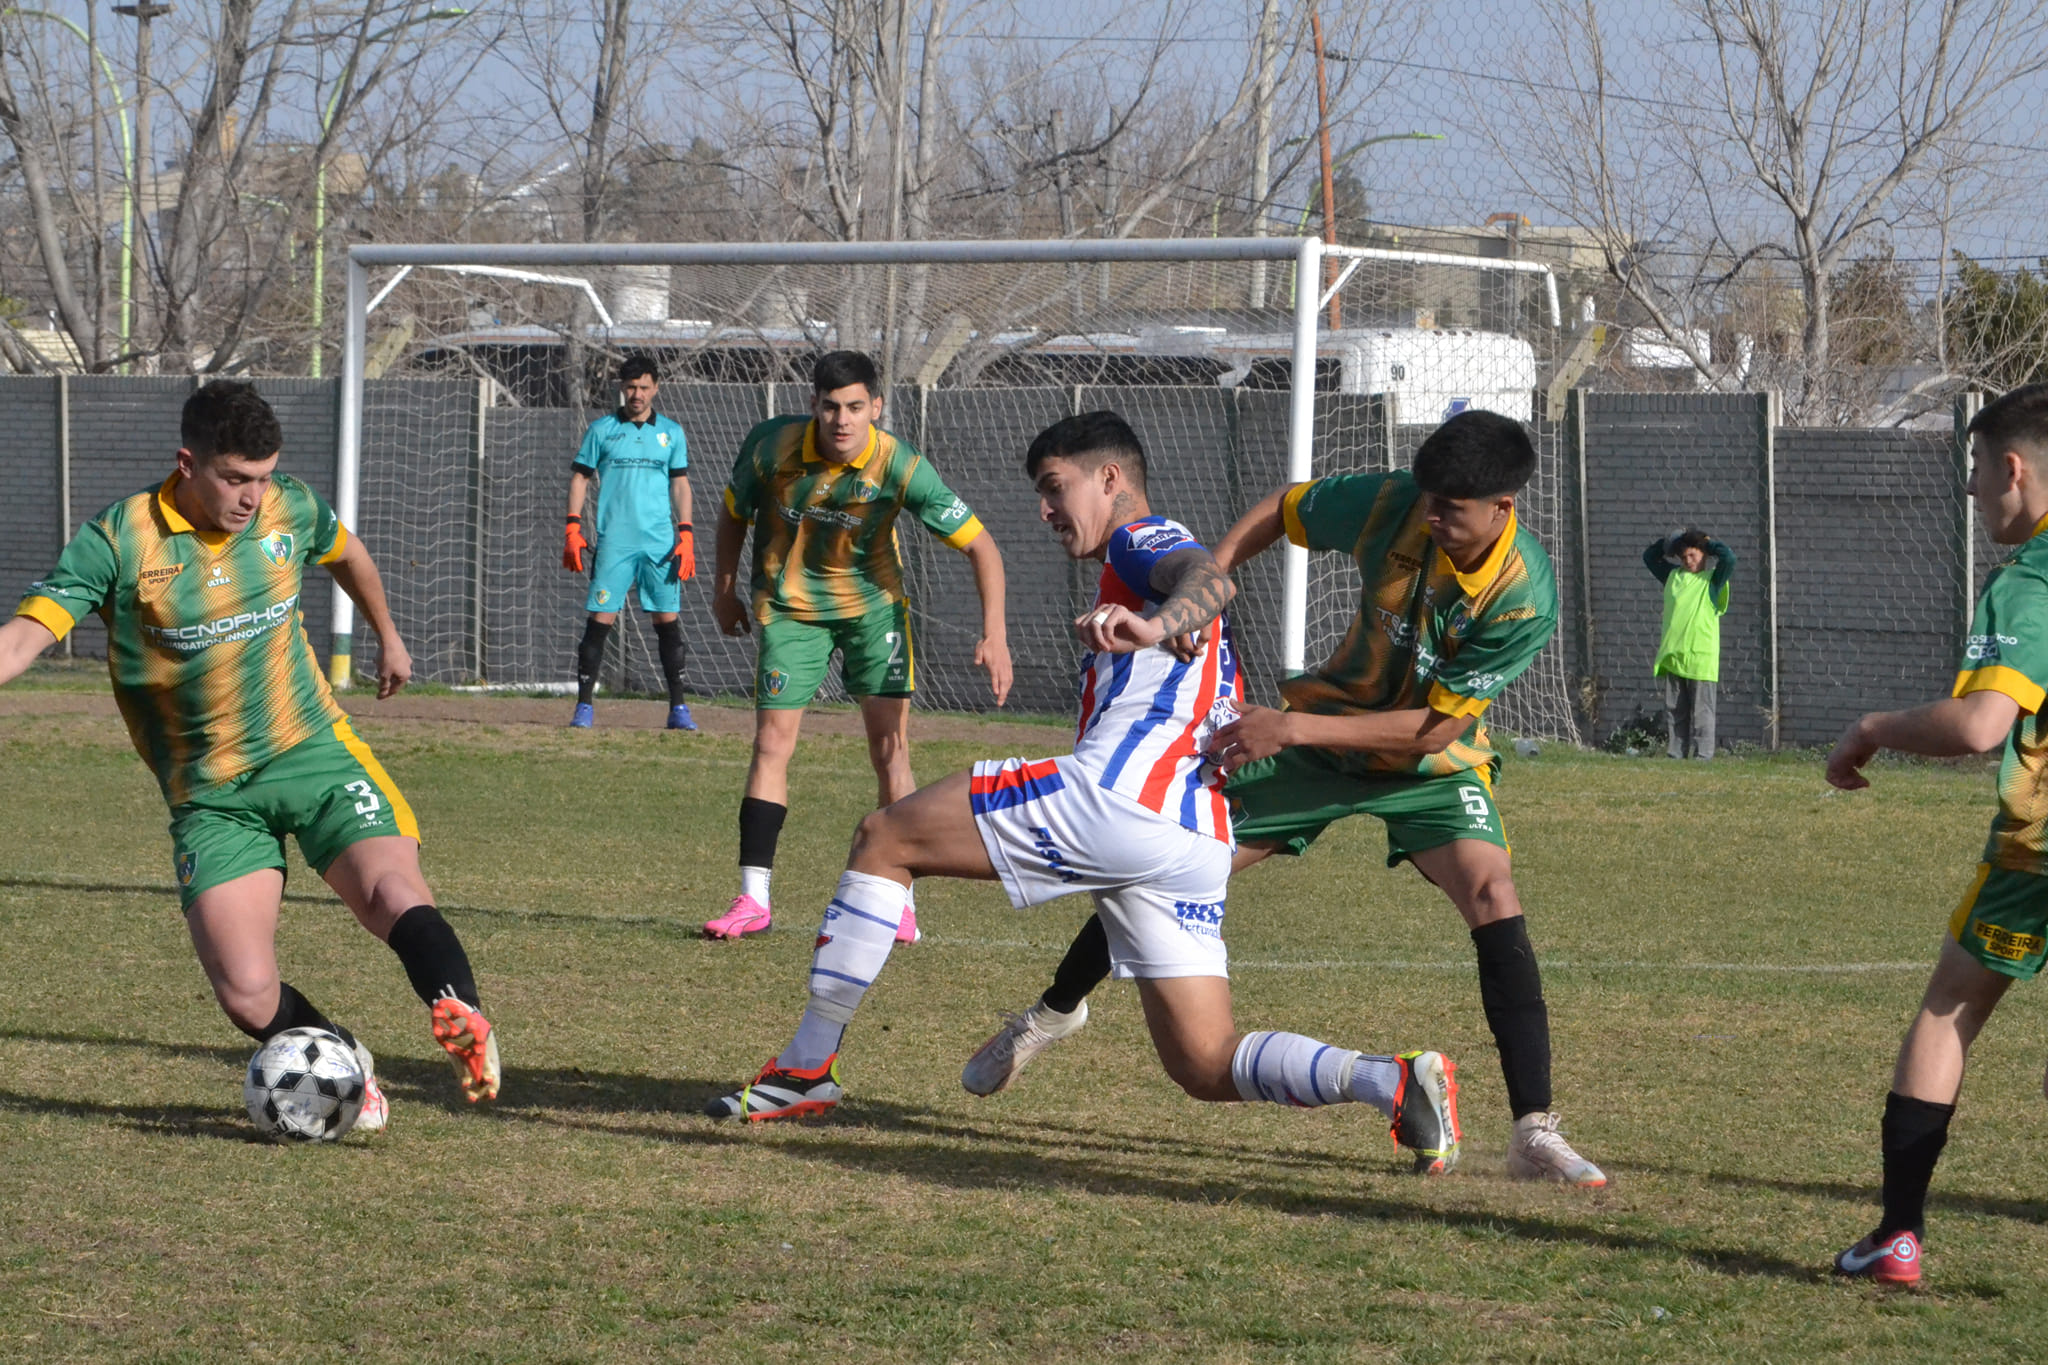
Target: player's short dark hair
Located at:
point(837, 370)
point(2016, 420)
point(228, 417)
point(1476, 454)
point(1691, 538)
point(638, 365)
point(1092, 440)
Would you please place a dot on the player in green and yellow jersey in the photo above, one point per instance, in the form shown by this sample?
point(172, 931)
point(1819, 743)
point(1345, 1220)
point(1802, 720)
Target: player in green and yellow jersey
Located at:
point(1999, 933)
point(1457, 599)
point(199, 582)
point(820, 497)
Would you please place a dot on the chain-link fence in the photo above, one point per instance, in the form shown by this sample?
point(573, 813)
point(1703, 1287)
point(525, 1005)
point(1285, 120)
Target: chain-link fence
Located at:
point(1855, 554)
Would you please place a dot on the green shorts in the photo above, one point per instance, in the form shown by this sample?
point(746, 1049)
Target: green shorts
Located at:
point(330, 791)
point(875, 658)
point(2003, 921)
point(1295, 795)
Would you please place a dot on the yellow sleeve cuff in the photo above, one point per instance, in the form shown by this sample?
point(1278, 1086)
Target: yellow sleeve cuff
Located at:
point(732, 506)
point(1449, 703)
point(966, 533)
point(1290, 513)
point(1999, 678)
point(340, 544)
point(51, 616)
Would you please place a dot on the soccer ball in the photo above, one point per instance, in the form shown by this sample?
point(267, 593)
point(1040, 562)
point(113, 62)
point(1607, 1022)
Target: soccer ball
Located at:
point(304, 1085)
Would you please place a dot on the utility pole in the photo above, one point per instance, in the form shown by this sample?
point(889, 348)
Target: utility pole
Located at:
point(143, 166)
point(1315, 19)
point(1262, 140)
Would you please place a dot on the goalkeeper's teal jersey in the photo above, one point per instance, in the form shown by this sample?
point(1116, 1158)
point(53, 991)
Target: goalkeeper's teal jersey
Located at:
point(205, 643)
point(634, 462)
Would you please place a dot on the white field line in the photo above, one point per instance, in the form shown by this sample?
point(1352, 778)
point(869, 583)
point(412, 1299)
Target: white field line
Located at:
point(1259, 964)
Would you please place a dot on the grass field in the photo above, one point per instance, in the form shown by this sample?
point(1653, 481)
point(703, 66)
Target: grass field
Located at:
point(1729, 955)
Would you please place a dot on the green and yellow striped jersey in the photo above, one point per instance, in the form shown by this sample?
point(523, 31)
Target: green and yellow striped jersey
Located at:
point(208, 652)
point(2007, 651)
point(1425, 634)
point(824, 533)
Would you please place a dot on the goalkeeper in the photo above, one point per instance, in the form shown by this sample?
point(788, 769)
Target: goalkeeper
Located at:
point(820, 497)
point(641, 462)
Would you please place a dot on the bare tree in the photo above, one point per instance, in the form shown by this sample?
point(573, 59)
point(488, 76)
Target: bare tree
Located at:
point(1805, 137)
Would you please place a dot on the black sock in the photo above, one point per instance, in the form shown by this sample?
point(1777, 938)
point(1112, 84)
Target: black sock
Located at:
point(1913, 1135)
point(1511, 992)
point(1083, 968)
point(760, 827)
point(668, 637)
point(433, 957)
point(296, 1011)
point(590, 658)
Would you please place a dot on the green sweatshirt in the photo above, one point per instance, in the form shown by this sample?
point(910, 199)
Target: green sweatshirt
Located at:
point(1693, 606)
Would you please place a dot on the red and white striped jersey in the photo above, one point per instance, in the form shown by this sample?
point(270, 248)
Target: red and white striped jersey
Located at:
point(1146, 717)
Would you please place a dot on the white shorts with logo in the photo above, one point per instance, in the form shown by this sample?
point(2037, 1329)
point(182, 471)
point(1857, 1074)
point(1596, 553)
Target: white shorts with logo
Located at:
point(1159, 886)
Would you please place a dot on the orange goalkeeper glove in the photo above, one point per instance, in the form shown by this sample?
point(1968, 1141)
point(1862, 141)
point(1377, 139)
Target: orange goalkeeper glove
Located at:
point(573, 546)
point(686, 553)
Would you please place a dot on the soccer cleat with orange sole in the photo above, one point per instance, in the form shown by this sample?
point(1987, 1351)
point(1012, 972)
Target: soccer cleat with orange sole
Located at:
point(472, 1045)
point(783, 1093)
point(1426, 1111)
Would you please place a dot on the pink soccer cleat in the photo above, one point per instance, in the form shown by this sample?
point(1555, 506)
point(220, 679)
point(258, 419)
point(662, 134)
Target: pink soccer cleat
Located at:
point(906, 928)
point(744, 916)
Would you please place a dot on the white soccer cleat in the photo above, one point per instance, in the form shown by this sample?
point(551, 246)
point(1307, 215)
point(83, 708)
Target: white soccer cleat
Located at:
point(1002, 1058)
point(1538, 1151)
point(376, 1109)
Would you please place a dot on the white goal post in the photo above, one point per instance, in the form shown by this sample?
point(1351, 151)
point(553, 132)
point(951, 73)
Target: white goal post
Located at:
point(489, 359)
point(1305, 252)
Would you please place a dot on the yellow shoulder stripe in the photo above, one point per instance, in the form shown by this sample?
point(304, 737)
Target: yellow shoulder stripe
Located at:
point(1999, 678)
point(340, 544)
point(48, 614)
point(1290, 513)
point(969, 530)
point(1449, 703)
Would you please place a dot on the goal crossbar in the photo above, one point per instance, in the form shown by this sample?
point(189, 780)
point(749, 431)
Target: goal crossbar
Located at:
point(1305, 252)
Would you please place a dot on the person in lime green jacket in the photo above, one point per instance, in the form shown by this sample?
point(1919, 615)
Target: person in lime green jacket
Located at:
point(1689, 652)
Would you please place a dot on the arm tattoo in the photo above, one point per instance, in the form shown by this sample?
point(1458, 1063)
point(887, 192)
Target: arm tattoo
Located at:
point(1199, 592)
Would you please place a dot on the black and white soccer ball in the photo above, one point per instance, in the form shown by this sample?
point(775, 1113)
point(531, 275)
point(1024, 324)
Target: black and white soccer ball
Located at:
point(304, 1085)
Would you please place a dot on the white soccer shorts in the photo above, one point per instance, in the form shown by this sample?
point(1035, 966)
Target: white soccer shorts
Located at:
point(1159, 886)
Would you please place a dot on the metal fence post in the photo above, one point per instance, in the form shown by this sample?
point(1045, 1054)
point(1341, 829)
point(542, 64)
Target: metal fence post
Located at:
point(1767, 410)
point(1968, 405)
point(478, 509)
point(64, 480)
point(1575, 429)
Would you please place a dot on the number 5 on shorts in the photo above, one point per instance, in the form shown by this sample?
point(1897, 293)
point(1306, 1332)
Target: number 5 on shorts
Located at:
point(1475, 801)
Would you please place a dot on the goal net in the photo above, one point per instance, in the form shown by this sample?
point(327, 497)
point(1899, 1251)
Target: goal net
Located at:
point(471, 372)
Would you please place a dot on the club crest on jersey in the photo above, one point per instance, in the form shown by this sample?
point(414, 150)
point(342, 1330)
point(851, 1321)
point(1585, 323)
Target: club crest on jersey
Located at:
point(776, 680)
point(661, 439)
point(277, 548)
point(188, 868)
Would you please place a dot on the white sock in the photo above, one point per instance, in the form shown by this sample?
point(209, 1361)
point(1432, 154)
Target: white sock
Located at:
point(1287, 1068)
point(754, 882)
point(853, 943)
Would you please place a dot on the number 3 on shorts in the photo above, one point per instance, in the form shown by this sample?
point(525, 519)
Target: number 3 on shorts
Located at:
point(369, 802)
